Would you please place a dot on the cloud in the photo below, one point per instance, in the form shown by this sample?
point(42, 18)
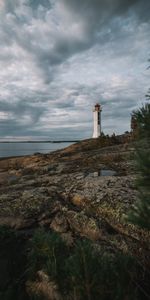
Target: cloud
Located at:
point(58, 58)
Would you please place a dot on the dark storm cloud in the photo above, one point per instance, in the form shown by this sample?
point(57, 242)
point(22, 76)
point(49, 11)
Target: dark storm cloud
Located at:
point(98, 14)
point(98, 21)
point(99, 5)
point(99, 10)
point(91, 15)
point(36, 3)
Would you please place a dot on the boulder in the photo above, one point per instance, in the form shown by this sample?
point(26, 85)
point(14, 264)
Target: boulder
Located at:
point(83, 225)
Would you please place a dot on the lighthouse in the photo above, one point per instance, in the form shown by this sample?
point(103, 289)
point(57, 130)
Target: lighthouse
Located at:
point(97, 121)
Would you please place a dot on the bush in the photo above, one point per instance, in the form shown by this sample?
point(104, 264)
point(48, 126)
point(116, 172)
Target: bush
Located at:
point(83, 273)
point(94, 276)
point(140, 214)
point(48, 253)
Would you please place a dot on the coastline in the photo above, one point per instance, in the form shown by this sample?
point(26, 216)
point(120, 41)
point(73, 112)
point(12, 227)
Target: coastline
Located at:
point(19, 149)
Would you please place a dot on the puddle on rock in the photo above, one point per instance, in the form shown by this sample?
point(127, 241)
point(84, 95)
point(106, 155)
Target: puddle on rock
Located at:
point(13, 179)
point(102, 173)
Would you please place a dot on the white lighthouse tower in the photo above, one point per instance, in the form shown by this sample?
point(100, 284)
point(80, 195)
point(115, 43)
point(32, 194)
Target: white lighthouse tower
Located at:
point(97, 121)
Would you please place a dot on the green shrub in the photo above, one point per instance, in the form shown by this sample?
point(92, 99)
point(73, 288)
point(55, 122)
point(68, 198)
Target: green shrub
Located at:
point(140, 214)
point(94, 276)
point(48, 253)
point(84, 273)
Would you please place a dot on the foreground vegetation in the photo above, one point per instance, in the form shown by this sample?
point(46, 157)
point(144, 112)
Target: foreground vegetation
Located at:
point(83, 272)
point(49, 269)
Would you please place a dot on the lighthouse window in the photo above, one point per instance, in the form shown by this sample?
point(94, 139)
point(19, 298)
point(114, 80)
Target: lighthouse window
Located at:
point(98, 118)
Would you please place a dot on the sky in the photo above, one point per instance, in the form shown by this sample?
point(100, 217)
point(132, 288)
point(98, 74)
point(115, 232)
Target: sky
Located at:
point(58, 58)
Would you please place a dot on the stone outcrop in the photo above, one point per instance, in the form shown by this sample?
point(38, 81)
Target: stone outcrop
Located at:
point(84, 190)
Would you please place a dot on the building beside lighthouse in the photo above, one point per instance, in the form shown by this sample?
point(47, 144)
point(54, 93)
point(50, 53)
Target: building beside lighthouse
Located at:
point(97, 121)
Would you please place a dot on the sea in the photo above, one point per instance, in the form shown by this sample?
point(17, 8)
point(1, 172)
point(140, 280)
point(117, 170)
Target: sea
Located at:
point(10, 149)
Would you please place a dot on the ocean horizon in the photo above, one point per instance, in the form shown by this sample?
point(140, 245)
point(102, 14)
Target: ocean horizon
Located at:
point(23, 148)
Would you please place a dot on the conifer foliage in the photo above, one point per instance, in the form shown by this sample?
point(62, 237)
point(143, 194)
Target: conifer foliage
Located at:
point(140, 214)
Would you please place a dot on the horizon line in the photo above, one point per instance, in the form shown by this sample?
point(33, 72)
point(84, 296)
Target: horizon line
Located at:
point(41, 141)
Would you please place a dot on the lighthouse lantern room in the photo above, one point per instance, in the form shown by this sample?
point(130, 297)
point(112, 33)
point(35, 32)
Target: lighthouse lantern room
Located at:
point(97, 120)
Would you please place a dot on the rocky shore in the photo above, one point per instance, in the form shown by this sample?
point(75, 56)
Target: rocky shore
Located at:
point(84, 190)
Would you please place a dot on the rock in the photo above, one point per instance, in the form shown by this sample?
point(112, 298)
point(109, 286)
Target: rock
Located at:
point(59, 223)
point(80, 176)
point(43, 216)
point(16, 223)
point(52, 190)
point(3, 178)
point(83, 225)
point(78, 200)
point(45, 222)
